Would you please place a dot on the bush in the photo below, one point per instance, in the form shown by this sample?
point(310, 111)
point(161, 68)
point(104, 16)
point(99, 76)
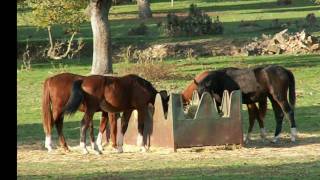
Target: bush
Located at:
point(311, 19)
point(316, 1)
point(142, 29)
point(150, 71)
point(196, 23)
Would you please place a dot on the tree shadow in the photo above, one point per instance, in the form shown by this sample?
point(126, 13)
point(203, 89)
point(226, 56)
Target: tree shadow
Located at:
point(256, 5)
point(32, 134)
point(292, 61)
point(242, 170)
point(286, 10)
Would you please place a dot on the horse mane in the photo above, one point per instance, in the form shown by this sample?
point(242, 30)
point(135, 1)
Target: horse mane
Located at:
point(146, 84)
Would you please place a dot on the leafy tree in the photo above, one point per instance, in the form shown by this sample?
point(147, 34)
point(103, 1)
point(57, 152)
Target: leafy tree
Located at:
point(47, 13)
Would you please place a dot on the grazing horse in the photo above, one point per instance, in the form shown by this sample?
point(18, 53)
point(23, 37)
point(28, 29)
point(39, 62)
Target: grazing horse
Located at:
point(113, 94)
point(56, 92)
point(253, 110)
point(256, 84)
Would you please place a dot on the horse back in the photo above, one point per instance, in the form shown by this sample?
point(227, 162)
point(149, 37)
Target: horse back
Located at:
point(60, 86)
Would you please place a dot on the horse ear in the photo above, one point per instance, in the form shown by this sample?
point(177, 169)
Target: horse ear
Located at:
point(195, 82)
point(168, 97)
point(163, 94)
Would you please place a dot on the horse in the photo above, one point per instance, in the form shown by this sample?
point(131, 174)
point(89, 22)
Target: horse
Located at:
point(56, 92)
point(253, 110)
point(257, 84)
point(113, 94)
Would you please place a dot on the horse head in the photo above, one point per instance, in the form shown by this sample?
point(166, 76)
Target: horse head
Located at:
point(165, 99)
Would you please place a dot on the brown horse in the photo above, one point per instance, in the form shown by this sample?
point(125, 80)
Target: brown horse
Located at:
point(113, 94)
point(56, 92)
point(256, 85)
point(253, 110)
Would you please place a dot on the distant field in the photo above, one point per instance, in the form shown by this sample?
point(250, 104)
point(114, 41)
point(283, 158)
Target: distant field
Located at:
point(231, 13)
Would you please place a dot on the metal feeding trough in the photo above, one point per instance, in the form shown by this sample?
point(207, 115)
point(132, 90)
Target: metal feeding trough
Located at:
point(207, 127)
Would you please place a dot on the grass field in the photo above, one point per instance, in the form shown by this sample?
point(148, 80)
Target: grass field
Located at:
point(257, 160)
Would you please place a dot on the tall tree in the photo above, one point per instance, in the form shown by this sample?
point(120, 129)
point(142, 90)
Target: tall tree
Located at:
point(144, 9)
point(99, 12)
point(48, 13)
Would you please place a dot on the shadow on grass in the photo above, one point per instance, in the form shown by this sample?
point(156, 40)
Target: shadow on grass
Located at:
point(287, 10)
point(256, 5)
point(305, 170)
point(28, 134)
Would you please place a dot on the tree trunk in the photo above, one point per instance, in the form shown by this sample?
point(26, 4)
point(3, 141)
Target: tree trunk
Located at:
point(99, 12)
point(144, 9)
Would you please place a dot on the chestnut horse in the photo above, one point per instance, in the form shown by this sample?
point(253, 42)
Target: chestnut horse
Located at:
point(256, 84)
point(253, 110)
point(113, 94)
point(56, 92)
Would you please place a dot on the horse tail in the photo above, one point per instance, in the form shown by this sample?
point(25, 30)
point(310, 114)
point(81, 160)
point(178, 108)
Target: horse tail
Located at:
point(75, 99)
point(47, 118)
point(292, 89)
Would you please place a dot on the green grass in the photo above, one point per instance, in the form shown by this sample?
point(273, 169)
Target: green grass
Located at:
point(283, 161)
point(231, 13)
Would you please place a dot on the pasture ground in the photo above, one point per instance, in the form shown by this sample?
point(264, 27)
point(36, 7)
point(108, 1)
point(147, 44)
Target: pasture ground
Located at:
point(257, 160)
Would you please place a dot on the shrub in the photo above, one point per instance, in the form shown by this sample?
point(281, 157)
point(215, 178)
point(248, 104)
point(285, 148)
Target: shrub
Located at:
point(150, 71)
point(142, 29)
point(196, 23)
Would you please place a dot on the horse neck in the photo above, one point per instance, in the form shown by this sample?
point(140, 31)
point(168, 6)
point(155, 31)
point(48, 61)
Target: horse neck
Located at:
point(187, 93)
point(149, 87)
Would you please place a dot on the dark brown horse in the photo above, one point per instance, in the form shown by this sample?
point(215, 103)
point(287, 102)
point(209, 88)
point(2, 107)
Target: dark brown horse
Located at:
point(257, 84)
point(56, 92)
point(253, 110)
point(113, 94)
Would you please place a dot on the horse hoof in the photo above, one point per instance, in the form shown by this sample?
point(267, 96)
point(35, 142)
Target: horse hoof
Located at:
point(49, 148)
point(67, 150)
point(97, 152)
point(120, 149)
point(274, 140)
point(293, 139)
point(85, 151)
point(143, 149)
point(100, 148)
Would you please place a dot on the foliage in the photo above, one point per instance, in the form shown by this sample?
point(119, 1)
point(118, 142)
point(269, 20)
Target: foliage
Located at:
point(316, 1)
point(142, 29)
point(50, 12)
point(196, 23)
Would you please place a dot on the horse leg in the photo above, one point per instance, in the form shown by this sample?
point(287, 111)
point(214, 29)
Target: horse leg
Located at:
point(93, 144)
point(113, 129)
point(279, 119)
point(252, 117)
point(59, 126)
point(48, 141)
point(102, 128)
point(261, 115)
point(142, 115)
point(124, 125)
point(83, 130)
point(289, 113)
